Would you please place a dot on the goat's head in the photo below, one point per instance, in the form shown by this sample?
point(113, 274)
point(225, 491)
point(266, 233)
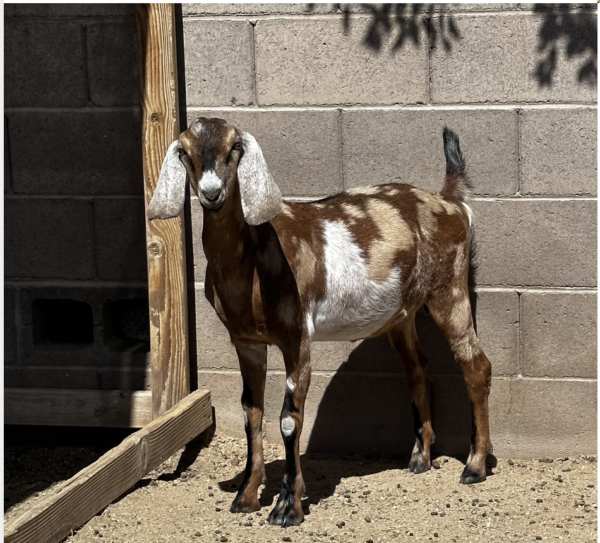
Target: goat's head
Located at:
point(217, 158)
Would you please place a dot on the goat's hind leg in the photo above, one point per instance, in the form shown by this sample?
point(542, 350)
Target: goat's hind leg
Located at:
point(404, 339)
point(288, 509)
point(452, 313)
point(253, 365)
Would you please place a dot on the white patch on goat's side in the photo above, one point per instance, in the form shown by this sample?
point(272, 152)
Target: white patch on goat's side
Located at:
point(469, 212)
point(210, 184)
point(288, 426)
point(245, 418)
point(290, 384)
point(354, 306)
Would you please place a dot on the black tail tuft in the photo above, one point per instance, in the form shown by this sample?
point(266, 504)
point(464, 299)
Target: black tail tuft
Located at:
point(456, 186)
point(455, 162)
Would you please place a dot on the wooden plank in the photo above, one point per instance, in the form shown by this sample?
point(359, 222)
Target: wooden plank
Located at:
point(77, 500)
point(60, 407)
point(170, 379)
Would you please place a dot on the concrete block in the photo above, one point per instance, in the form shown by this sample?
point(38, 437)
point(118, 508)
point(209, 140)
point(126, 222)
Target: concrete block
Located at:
point(13, 377)
point(559, 334)
point(497, 322)
point(7, 181)
point(43, 64)
point(112, 63)
point(218, 63)
point(69, 10)
point(112, 332)
point(383, 146)
point(83, 152)
point(313, 61)
point(49, 239)
point(87, 378)
point(302, 148)
point(190, 10)
point(555, 418)
point(215, 350)
point(558, 152)
point(10, 327)
point(536, 243)
point(505, 58)
point(120, 233)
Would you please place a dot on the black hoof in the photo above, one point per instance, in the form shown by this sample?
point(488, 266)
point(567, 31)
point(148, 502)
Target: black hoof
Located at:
point(470, 477)
point(284, 513)
point(418, 464)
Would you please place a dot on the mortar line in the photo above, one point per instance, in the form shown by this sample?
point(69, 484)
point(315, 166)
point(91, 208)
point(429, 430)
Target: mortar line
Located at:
point(520, 334)
point(519, 166)
point(8, 154)
point(86, 368)
point(429, 59)
point(400, 374)
point(74, 196)
point(340, 129)
point(253, 60)
point(476, 106)
point(339, 16)
point(76, 109)
point(18, 327)
point(71, 18)
point(86, 68)
point(66, 283)
point(538, 290)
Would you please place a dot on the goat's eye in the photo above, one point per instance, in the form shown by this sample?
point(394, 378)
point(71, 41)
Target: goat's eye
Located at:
point(236, 146)
point(181, 152)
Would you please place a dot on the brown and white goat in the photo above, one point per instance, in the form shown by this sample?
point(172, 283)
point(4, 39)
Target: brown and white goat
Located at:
point(348, 267)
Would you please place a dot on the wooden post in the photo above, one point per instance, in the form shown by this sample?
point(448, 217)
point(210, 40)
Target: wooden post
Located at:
point(170, 380)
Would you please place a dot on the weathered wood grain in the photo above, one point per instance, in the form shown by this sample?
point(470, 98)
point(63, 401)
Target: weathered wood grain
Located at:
point(170, 379)
point(81, 497)
point(62, 407)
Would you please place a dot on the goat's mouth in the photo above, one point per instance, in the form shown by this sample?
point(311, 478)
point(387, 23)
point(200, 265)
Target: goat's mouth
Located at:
point(213, 205)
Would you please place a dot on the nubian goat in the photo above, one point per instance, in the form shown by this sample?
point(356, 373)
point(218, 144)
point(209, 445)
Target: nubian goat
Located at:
point(348, 267)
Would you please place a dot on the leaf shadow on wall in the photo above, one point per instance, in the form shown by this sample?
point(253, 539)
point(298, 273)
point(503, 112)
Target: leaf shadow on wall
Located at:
point(572, 34)
point(413, 23)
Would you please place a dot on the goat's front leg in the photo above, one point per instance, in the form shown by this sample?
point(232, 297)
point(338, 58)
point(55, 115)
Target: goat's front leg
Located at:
point(288, 509)
point(253, 365)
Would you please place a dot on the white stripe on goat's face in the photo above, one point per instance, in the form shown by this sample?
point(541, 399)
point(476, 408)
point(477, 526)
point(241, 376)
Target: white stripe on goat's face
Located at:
point(211, 185)
point(354, 306)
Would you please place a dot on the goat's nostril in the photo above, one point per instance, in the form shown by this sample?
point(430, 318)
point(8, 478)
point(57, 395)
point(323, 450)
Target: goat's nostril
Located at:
point(212, 194)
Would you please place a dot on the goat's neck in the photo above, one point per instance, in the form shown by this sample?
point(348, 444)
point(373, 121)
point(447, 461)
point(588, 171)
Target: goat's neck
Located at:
point(227, 241)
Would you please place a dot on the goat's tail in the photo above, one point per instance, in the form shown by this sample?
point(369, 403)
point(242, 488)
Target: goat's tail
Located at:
point(456, 185)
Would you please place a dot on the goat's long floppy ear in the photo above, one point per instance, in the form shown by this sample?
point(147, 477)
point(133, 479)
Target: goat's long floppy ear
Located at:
point(261, 198)
point(169, 194)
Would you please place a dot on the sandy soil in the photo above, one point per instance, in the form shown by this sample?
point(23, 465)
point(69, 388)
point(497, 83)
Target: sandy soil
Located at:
point(358, 499)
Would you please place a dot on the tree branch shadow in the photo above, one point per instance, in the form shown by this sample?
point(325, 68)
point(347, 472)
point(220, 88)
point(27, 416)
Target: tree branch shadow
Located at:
point(576, 33)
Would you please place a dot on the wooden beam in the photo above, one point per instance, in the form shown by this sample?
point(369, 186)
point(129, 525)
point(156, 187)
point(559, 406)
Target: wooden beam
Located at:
point(170, 378)
point(58, 407)
point(77, 500)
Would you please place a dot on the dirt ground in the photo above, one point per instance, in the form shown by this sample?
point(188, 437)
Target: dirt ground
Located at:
point(356, 499)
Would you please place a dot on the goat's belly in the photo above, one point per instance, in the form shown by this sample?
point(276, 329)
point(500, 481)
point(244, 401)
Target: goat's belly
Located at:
point(355, 306)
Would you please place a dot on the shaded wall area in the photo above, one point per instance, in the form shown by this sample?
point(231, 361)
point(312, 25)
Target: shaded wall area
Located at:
point(342, 95)
point(75, 294)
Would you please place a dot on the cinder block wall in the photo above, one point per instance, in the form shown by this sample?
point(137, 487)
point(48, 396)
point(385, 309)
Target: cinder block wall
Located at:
point(336, 100)
point(75, 294)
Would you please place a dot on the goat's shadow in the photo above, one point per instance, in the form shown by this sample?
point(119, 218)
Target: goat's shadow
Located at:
point(366, 411)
